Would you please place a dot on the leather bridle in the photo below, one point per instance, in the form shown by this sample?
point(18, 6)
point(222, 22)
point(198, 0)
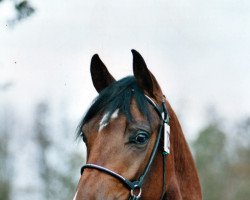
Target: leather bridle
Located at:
point(136, 186)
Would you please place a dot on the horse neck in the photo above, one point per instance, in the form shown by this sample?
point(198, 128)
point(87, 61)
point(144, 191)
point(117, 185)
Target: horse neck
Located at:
point(183, 167)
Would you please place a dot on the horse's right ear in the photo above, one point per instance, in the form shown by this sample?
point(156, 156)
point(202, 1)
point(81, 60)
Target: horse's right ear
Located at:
point(101, 77)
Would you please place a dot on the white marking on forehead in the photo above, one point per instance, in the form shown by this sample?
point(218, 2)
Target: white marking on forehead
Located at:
point(75, 195)
point(115, 114)
point(104, 122)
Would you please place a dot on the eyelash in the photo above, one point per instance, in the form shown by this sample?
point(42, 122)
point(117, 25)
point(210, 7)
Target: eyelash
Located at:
point(84, 139)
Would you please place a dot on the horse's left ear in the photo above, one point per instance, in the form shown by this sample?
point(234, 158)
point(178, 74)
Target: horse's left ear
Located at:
point(101, 77)
point(144, 78)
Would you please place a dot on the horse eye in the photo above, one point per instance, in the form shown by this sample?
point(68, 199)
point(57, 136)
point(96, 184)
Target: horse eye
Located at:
point(141, 138)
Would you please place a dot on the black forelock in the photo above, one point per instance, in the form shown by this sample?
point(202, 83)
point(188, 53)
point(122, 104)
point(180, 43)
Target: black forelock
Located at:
point(118, 95)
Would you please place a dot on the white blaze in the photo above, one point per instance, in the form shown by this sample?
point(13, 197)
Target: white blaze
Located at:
point(104, 122)
point(115, 114)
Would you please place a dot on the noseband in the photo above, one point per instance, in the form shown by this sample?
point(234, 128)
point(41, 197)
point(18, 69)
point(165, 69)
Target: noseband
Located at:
point(136, 186)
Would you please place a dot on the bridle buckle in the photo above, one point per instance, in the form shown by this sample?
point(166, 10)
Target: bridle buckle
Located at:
point(133, 194)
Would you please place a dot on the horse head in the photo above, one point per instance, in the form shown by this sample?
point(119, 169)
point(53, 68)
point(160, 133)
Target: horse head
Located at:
point(124, 132)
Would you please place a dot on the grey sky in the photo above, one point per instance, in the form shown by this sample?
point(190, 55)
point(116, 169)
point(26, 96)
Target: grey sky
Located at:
point(198, 50)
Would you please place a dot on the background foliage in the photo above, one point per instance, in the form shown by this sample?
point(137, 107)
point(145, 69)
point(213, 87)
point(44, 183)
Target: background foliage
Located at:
point(223, 161)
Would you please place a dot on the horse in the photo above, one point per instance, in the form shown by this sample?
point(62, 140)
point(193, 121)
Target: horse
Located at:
point(135, 145)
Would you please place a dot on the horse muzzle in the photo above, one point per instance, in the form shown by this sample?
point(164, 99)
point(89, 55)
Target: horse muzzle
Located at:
point(95, 185)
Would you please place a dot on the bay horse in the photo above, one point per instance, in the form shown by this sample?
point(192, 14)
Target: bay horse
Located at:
point(135, 145)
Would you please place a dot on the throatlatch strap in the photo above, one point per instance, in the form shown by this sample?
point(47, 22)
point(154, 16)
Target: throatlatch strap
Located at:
point(164, 156)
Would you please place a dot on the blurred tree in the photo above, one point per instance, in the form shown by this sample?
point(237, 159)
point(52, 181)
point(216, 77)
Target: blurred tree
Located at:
point(5, 182)
point(69, 160)
point(23, 10)
point(58, 175)
point(5, 156)
point(63, 185)
point(239, 182)
point(224, 172)
point(43, 143)
point(211, 161)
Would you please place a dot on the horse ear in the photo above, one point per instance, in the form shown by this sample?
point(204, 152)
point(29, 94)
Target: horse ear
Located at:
point(101, 77)
point(144, 78)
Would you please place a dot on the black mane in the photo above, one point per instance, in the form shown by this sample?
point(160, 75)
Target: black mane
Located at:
point(118, 95)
